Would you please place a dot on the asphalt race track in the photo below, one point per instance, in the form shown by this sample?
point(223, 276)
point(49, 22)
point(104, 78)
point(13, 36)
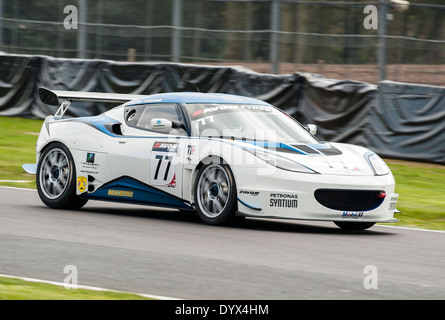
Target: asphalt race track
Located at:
point(168, 253)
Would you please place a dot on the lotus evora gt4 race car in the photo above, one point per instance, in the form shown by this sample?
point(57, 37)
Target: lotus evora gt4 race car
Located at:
point(223, 156)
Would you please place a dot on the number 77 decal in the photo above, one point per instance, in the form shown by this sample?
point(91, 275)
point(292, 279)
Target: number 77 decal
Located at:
point(160, 158)
point(163, 164)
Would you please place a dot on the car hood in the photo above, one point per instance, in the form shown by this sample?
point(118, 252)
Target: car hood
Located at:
point(325, 158)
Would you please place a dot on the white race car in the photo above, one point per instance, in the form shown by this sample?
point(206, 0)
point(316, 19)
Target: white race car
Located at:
point(223, 156)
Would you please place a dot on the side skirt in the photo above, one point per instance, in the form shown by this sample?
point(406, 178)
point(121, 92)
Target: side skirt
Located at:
point(129, 190)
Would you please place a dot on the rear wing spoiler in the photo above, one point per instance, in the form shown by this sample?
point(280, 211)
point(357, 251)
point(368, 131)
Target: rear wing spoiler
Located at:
point(63, 98)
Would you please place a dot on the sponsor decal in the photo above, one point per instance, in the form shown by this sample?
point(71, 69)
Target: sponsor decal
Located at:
point(203, 121)
point(163, 159)
point(89, 166)
point(392, 206)
point(197, 113)
point(233, 107)
point(250, 193)
point(165, 146)
point(393, 203)
point(250, 199)
point(283, 200)
point(351, 215)
point(82, 184)
point(172, 183)
point(90, 157)
point(190, 150)
point(158, 124)
point(120, 193)
point(146, 100)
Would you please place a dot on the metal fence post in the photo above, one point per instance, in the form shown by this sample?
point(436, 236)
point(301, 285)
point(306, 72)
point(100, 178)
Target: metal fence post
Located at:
point(81, 32)
point(1, 25)
point(176, 36)
point(381, 51)
point(274, 37)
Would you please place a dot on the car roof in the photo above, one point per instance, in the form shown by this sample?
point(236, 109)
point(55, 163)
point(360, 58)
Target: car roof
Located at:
point(196, 97)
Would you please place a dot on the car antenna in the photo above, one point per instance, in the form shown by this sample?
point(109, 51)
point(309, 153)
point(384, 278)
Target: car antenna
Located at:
point(189, 78)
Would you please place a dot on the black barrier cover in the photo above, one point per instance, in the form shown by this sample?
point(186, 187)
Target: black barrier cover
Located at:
point(408, 122)
point(397, 120)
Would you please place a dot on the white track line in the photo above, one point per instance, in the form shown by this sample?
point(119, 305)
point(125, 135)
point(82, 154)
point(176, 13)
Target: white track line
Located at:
point(407, 228)
point(16, 188)
point(88, 287)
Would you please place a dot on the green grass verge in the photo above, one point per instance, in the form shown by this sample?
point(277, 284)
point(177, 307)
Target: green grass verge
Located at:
point(421, 186)
point(18, 289)
point(17, 146)
point(421, 189)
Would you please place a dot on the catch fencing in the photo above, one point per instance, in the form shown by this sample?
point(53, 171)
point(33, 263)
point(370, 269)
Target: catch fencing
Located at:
point(337, 39)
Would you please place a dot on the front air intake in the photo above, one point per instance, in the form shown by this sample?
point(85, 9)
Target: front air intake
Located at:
point(350, 200)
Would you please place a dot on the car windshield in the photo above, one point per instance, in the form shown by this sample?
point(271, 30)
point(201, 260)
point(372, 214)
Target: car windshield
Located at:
point(240, 121)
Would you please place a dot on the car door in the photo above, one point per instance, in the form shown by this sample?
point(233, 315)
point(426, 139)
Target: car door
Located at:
point(148, 150)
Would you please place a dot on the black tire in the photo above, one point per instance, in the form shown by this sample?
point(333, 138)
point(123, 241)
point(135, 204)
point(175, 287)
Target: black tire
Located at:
point(215, 194)
point(348, 225)
point(56, 178)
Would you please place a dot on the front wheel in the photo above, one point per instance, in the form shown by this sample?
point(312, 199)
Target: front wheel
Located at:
point(215, 194)
point(354, 225)
point(55, 178)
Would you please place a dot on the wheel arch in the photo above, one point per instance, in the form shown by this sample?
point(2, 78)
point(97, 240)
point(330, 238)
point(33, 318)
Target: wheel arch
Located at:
point(49, 143)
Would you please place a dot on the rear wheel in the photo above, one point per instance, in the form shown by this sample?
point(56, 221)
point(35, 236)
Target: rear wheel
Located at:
point(215, 194)
point(55, 178)
point(347, 225)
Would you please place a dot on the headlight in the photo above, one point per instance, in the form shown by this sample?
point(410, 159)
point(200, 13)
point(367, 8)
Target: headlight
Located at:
point(378, 165)
point(281, 162)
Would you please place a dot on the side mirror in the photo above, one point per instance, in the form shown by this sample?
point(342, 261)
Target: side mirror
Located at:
point(161, 123)
point(312, 128)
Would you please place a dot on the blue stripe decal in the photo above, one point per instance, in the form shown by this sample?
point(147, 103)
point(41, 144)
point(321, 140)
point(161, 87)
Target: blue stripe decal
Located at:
point(254, 208)
point(100, 122)
point(271, 144)
point(286, 146)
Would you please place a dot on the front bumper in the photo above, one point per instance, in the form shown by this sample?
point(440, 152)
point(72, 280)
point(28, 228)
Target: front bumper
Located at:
point(291, 195)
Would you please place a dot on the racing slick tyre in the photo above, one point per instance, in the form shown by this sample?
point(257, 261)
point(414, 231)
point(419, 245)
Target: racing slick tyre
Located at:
point(215, 194)
point(56, 178)
point(354, 225)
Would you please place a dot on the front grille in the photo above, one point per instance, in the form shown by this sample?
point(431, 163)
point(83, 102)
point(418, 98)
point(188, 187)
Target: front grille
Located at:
point(350, 200)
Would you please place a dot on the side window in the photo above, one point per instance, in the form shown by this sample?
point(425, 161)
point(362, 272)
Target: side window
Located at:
point(141, 117)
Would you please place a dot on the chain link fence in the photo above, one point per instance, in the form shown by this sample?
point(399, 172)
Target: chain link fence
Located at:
point(323, 37)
